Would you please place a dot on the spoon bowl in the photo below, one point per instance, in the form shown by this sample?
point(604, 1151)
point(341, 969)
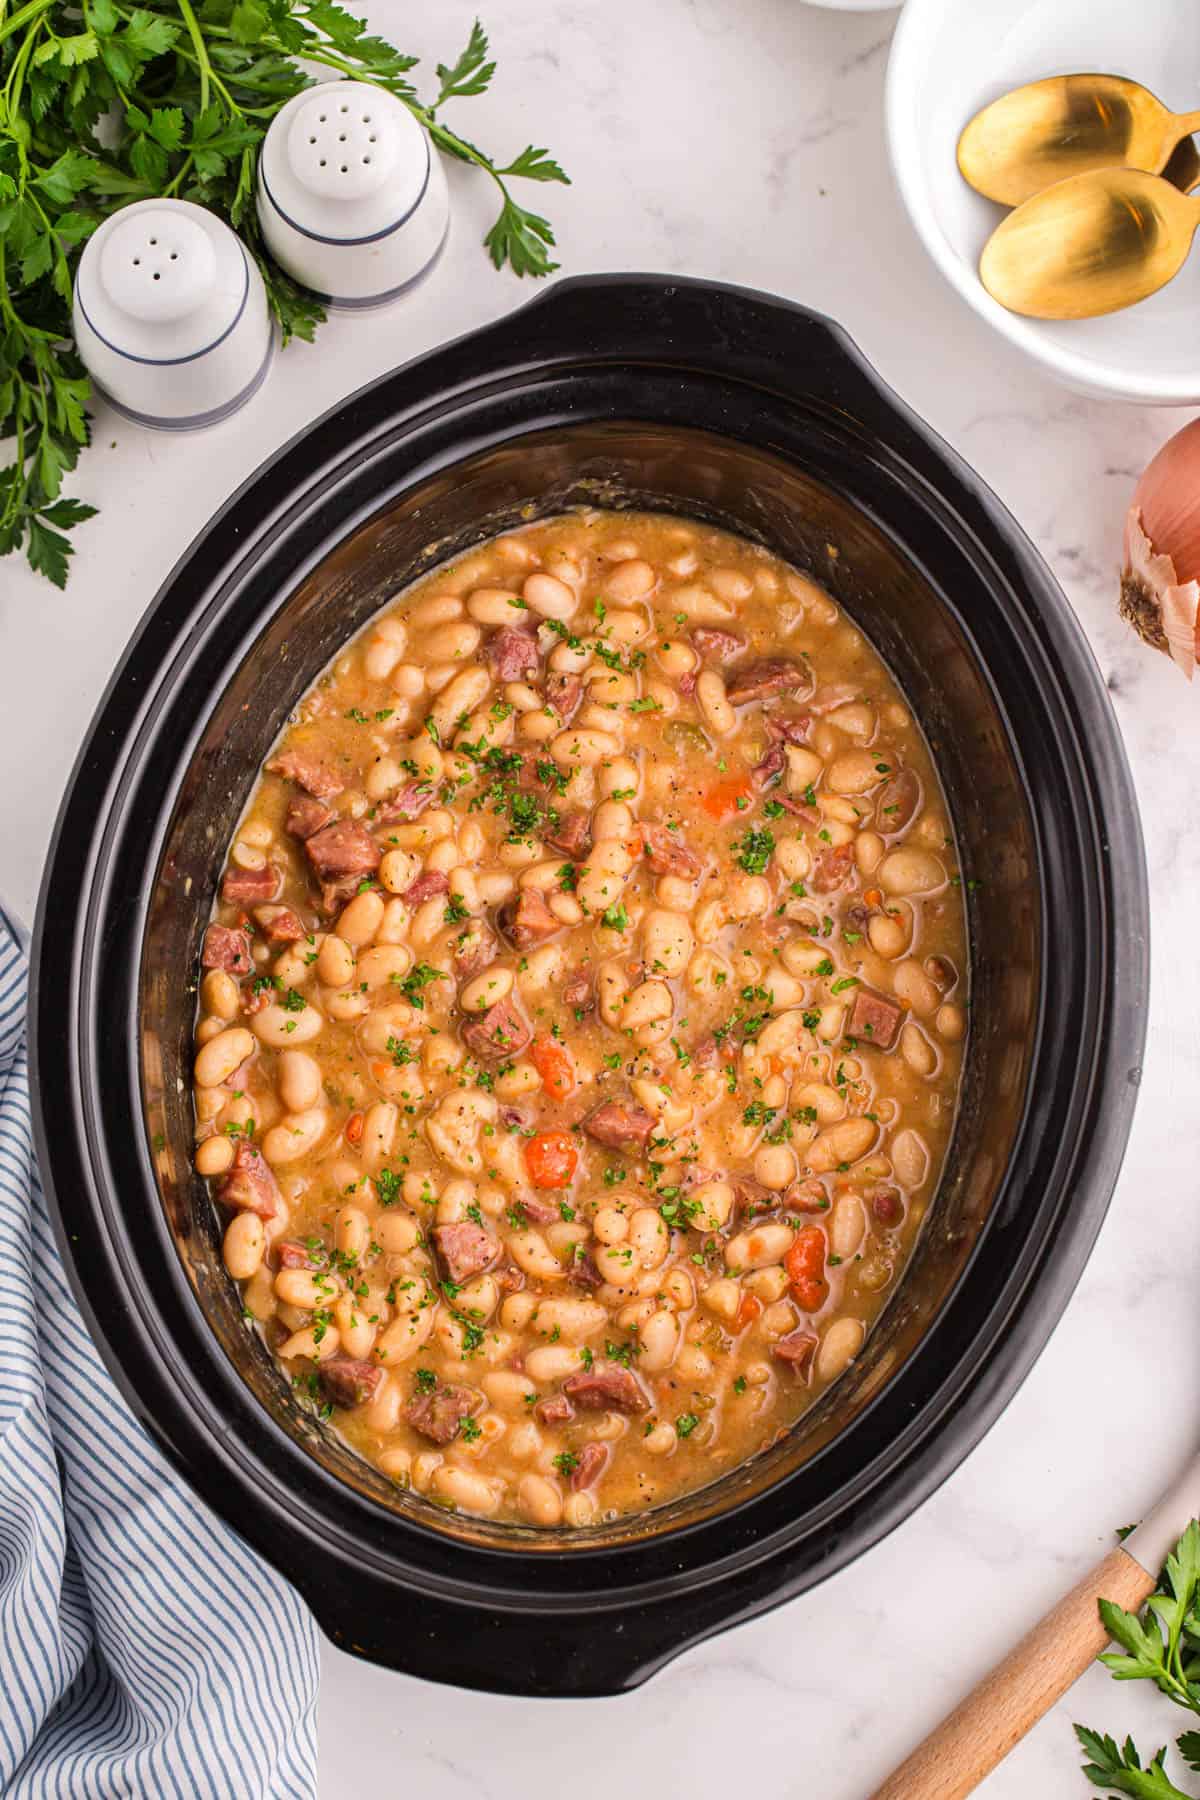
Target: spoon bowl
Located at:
point(1090, 245)
point(1047, 131)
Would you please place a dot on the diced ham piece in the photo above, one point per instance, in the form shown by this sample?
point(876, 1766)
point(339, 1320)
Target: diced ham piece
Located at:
point(464, 1249)
point(606, 1386)
point(438, 1415)
point(499, 1034)
point(770, 768)
point(707, 1053)
point(513, 654)
point(874, 1019)
point(527, 920)
point(807, 1196)
point(304, 816)
point(472, 950)
point(776, 675)
point(249, 885)
point(577, 990)
point(835, 866)
point(620, 1127)
point(280, 924)
point(592, 1460)
point(667, 856)
point(347, 1382)
point(898, 804)
point(555, 1409)
point(344, 851)
point(250, 1184)
point(432, 882)
point(796, 1349)
point(788, 728)
point(407, 803)
point(752, 1199)
point(563, 693)
point(307, 771)
point(583, 1273)
point(572, 834)
point(288, 1254)
point(538, 1211)
point(717, 646)
point(226, 947)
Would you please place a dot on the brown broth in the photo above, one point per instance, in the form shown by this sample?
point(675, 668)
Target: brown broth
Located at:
point(714, 1006)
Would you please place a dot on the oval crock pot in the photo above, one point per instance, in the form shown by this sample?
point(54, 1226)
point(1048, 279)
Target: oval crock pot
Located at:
point(758, 415)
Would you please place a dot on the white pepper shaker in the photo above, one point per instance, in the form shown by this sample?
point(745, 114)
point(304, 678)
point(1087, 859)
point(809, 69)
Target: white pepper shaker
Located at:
point(170, 315)
point(352, 199)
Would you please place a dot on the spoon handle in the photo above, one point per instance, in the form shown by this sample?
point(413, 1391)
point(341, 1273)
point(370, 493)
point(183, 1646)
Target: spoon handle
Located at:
point(1009, 1701)
point(1186, 123)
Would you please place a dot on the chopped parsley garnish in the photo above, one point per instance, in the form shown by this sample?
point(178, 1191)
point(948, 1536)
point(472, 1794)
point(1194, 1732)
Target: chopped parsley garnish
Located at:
point(615, 917)
point(387, 1186)
point(426, 1381)
point(415, 981)
point(755, 850)
point(685, 1424)
point(566, 1462)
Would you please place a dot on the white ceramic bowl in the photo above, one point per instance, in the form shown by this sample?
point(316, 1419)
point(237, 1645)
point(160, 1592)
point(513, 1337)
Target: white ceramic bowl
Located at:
point(949, 58)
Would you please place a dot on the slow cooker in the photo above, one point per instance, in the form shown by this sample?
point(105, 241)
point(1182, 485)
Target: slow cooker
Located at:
point(622, 391)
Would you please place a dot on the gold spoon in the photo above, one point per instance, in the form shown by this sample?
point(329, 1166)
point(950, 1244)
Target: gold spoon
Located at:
point(1049, 130)
point(1184, 166)
point(1090, 245)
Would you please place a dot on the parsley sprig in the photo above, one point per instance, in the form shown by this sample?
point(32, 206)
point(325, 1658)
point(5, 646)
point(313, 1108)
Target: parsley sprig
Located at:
point(103, 102)
point(1161, 1644)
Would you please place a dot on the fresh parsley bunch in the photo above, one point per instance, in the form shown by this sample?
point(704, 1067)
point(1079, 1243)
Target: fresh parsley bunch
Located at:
point(1161, 1644)
point(102, 103)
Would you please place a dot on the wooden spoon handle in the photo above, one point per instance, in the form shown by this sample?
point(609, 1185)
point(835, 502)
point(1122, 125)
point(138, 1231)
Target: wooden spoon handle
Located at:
point(978, 1734)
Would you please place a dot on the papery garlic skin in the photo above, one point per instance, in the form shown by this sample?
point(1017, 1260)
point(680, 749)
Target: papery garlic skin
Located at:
point(1160, 585)
point(1162, 610)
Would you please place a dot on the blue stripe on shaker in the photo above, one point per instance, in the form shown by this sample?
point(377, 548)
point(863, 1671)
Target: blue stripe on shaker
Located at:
point(146, 1650)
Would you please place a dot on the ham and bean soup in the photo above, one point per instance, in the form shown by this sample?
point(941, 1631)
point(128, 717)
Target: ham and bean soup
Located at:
point(581, 1020)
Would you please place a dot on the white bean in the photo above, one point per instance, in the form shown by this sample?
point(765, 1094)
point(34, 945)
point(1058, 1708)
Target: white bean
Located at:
point(244, 1245)
point(279, 1028)
point(298, 1077)
point(760, 1246)
point(222, 1055)
point(711, 697)
point(840, 1345)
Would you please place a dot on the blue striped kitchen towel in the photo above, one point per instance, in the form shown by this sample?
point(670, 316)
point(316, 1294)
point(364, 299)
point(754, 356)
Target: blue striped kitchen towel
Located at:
point(145, 1652)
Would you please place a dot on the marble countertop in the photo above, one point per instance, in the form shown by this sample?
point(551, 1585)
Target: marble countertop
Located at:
point(743, 140)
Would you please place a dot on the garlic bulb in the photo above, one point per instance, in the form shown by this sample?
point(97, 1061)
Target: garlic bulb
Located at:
point(1160, 585)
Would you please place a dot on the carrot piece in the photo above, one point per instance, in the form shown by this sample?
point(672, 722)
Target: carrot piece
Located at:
point(354, 1128)
point(805, 1265)
point(721, 801)
point(553, 1063)
point(551, 1159)
point(748, 1310)
point(873, 897)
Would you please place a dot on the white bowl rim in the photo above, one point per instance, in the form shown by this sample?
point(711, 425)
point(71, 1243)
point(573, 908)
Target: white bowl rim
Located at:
point(905, 149)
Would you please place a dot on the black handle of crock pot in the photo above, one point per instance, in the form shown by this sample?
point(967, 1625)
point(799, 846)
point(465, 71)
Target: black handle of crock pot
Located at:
point(787, 349)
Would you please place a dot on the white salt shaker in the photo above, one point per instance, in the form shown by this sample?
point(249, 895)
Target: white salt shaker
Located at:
point(170, 315)
point(352, 200)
